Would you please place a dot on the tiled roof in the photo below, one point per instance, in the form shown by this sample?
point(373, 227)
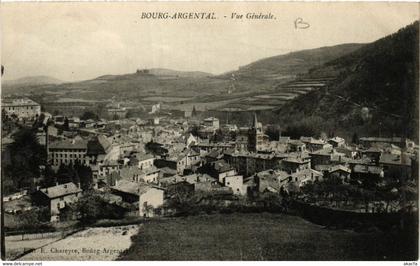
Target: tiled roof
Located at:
point(69, 144)
point(135, 188)
point(61, 190)
point(98, 145)
point(387, 158)
point(339, 168)
point(295, 160)
point(367, 169)
point(221, 166)
point(375, 139)
point(143, 156)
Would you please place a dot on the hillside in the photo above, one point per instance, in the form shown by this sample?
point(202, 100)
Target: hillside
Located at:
point(175, 73)
point(191, 87)
point(294, 63)
point(31, 81)
point(375, 91)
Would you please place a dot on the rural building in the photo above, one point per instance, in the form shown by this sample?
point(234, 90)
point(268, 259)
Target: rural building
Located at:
point(236, 183)
point(57, 198)
point(145, 161)
point(150, 200)
point(315, 144)
point(295, 164)
point(337, 142)
point(211, 122)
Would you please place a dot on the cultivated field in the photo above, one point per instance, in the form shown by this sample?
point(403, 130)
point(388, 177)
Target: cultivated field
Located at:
point(256, 237)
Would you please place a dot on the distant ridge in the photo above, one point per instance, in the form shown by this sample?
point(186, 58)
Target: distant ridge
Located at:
point(159, 72)
point(32, 81)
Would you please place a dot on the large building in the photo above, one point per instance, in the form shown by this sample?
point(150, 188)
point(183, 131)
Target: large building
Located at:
point(247, 164)
point(22, 108)
point(67, 152)
point(84, 151)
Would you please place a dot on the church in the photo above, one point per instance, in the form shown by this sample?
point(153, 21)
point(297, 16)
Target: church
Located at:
point(256, 136)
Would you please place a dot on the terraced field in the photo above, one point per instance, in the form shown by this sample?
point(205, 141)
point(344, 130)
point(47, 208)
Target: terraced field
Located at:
point(277, 97)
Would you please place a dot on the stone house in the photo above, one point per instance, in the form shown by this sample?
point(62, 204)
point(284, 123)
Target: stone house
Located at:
point(57, 198)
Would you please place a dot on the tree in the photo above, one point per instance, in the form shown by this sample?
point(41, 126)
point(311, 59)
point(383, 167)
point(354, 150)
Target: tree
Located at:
point(194, 112)
point(194, 130)
point(147, 209)
point(89, 115)
point(4, 116)
point(66, 124)
point(91, 207)
point(355, 139)
point(273, 132)
point(297, 130)
point(218, 136)
point(26, 157)
point(84, 175)
point(66, 173)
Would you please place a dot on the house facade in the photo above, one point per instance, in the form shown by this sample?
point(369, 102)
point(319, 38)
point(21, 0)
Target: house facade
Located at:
point(22, 108)
point(151, 198)
point(57, 198)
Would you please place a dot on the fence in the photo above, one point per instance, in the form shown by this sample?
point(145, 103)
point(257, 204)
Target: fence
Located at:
point(38, 235)
point(31, 236)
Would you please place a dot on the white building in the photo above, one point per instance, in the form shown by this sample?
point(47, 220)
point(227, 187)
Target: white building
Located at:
point(212, 122)
point(145, 161)
point(58, 197)
point(236, 183)
point(22, 108)
point(150, 198)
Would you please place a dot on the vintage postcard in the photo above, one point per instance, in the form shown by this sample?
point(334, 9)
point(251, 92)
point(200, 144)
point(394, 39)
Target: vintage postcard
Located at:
point(209, 131)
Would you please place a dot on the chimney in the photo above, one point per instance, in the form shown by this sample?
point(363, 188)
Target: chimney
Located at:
point(56, 183)
point(78, 184)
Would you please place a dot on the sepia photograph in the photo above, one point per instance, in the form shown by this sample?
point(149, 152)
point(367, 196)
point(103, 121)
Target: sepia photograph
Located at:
point(209, 131)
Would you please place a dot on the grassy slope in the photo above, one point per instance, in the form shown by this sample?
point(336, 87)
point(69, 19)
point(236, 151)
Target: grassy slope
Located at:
point(294, 63)
point(256, 237)
point(381, 76)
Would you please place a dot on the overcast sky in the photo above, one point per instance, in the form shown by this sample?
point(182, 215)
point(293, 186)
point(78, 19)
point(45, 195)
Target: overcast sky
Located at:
point(77, 41)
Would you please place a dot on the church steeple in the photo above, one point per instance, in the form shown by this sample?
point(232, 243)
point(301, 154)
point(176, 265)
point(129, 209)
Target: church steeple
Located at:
point(255, 121)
